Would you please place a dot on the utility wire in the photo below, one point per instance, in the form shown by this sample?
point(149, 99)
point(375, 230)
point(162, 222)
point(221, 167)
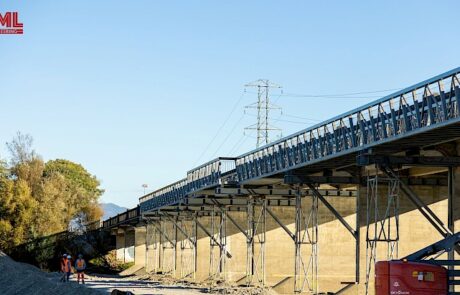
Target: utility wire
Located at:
point(303, 118)
point(351, 95)
point(228, 136)
point(289, 121)
point(220, 129)
point(237, 144)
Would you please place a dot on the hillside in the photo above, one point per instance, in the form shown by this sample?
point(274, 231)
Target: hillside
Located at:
point(111, 209)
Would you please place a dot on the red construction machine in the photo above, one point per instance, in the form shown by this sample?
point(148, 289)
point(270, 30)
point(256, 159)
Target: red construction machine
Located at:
point(420, 273)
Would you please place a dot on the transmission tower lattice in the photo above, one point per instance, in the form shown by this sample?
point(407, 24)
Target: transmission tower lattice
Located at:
point(263, 107)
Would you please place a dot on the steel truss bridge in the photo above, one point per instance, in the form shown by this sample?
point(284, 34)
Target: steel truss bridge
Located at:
point(388, 133)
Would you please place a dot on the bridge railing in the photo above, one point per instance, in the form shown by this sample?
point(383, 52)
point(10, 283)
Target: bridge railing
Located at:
point(209, 174)
point(423, 105)
point(167, 195)
point(128, 215)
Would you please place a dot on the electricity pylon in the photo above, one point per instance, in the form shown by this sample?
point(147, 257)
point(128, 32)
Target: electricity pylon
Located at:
point(263, 107)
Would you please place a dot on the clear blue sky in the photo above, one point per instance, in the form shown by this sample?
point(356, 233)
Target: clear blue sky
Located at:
point(136, 90)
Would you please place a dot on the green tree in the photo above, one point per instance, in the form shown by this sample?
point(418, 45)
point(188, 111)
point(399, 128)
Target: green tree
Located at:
point(83, 188)
point(38, 199)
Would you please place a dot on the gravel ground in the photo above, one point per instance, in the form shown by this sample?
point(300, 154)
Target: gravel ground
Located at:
point(22, 278)
point(157, 285)
point(105, 284)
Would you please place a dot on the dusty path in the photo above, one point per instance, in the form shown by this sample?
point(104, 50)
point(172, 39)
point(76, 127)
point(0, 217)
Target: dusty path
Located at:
point(105, 284)
point(150, 285)
point(20, 278)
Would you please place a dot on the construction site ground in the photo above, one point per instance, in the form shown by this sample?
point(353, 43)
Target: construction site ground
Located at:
point(22, 278)
point(154, 284)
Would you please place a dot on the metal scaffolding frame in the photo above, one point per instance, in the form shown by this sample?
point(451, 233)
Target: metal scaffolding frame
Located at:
point(306, 233)
point(166, 242)
point(256, 235)
point(218, 235)
point(186, 225)
point(382, 226)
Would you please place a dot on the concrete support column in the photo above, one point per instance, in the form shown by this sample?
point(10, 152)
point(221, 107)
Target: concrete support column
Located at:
point(129, 245)
point(120, 245)
point(139, 245)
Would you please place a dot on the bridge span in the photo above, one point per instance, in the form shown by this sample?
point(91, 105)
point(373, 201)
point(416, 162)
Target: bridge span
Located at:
point(313, 211)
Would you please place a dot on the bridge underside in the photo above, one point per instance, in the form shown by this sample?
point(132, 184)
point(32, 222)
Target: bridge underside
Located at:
point(306, 231)
point(313, 212)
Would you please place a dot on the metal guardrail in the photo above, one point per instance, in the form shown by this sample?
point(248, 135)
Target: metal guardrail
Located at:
point(202, 177)
point(209, 174)
point(164, 196)
point(413, 109)
point(124, 217)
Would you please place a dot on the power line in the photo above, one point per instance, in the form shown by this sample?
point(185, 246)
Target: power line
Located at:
point(228, 136)
point(290, 121)
point(303, 118)
point(238, 144)
point(220, 128)
point(351, 95)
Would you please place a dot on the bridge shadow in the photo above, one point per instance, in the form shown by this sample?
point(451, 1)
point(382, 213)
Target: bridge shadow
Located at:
point(46, 252)
point(346, 206)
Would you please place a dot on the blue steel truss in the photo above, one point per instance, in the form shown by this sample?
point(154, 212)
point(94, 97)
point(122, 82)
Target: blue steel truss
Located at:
point(203, 177)
point(419, 108)
point(415, 109)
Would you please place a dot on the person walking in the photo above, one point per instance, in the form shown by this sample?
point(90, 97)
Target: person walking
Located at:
point(68, 267)
point(63, 269)
point(80, 266)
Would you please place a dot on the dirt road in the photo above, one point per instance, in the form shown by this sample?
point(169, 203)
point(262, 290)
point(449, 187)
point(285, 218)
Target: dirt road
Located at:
point(105, 284)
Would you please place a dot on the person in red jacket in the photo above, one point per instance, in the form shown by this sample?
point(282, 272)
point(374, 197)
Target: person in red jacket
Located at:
point(63, 263)
point(68, 267)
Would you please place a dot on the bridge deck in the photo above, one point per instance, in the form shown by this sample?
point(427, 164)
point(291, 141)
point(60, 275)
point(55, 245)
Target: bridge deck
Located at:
point(417, 117)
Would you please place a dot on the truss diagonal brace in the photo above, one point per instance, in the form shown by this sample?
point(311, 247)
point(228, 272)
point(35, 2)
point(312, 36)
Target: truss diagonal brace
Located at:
point(424, 209)
point(432, 218)
point(332, 209)
point(212, 238)
point(281, 224)
point(164, 234)
point(180, 229)
point(230, 218)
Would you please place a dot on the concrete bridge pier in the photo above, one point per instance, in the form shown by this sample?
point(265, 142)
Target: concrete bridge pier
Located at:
point(250, 244)
point(120, 244)
point(125, 242)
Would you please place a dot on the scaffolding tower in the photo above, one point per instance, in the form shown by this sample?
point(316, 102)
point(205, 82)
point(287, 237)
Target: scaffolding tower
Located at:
point(306, 234)
point(256, 237)
point(382, 219)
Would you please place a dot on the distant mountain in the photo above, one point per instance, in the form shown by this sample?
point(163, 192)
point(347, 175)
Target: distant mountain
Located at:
point(111, 209)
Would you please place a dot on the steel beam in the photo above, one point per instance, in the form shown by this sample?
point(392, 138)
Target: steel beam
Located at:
point(280, 223)
point(230, 218)
point(332, 209)
point(221, 191)
point(422, 207)
point(450, 217)
point(366, 159)
point(303, 179)
point(179, 228)
point(203, 228)
point(164, 234)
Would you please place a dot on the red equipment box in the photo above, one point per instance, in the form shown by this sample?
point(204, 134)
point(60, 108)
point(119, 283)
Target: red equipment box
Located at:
point(409, 278)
